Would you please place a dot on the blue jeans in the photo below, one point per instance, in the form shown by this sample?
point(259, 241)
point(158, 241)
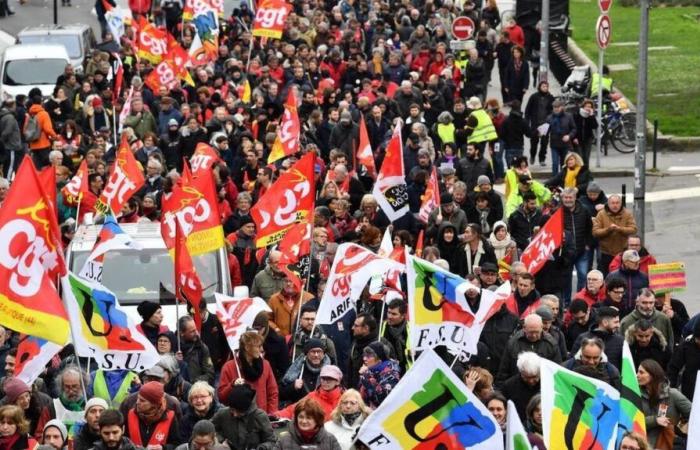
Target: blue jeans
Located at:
point(557, 156)
point(583, 265)
point(512, 153)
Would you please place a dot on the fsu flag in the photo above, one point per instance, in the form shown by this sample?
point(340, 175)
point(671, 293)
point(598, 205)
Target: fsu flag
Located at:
point(151, 42)
point(545, 242)
point(296, 248)
point(125, 179)
point(270, 18)
point(289, 200)
point(365, 157)
point(287, 141)
point(194, 206)
point(390, 189)
point(188, 286)
point(30, 257)
point(431, 198)
point(77, 186)
point(203, 159)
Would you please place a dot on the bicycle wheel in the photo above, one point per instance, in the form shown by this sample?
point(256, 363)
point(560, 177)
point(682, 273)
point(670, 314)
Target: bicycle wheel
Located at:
point(624, 137)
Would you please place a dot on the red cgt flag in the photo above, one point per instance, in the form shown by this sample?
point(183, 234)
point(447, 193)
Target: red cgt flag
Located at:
point(47, 178)
point(365, 156)
point(125, 179)
point(289, 200)
point(203, 158)
point(189, 286)
point(431, 198)
point(545, 242)
point(74, 190)
point(270, 18)
point(287, 141)
point(30, 258)
point(296, 245)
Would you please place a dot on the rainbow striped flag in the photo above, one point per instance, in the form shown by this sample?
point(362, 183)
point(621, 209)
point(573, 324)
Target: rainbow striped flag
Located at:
point(431, 408)
point(668, 277)
point(631, 414)
point(577, 411)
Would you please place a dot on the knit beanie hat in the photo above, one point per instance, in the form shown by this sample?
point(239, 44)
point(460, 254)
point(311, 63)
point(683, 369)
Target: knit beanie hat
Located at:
point(14, 387)
point(95, 401)
point(152, 392)
point(378, 349)
point(241, 397)
point(146, 309)
point(313, 343)
point(203, 427)
point(59, 425)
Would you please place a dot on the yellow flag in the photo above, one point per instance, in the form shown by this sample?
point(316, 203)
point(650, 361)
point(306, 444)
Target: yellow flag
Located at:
point(246, 92)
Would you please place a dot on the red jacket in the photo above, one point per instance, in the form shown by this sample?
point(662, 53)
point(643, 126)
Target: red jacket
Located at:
point(87, 204)
point(327, 399)
point(644, 262)
point(267, 393)
point(584, 295)
point(234, 269)
point(516, 35)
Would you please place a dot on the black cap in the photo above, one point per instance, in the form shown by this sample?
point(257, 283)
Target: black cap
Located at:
point(241, 397)
point(146, 309)
point(489, 267)
point(524, 178)
point(446, 199)
point(313, 343)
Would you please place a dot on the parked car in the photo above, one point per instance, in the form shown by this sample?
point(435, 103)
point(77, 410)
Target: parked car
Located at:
point(78, 39)
point(23, 67)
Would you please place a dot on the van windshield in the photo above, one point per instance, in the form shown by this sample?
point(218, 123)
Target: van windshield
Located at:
point(147, 274)
point(70, 42)
point(32, 72)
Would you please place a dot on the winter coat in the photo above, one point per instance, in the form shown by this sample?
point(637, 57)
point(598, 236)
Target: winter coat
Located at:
point(684, 366)
point(500, 248)
point(561, 125)
point(310, 377)
point(579, 223)
point(517, 390)
point(546, 347)
point(143, 123)
point(266, 283)
point(355, 360)
point(244, 249)
point(496, 333)
point(458, 218)
point(344, 432)
point(275, 347)
point(645, 260)
point(267, 394)
point(613, 344)
point(582, 179)
point(483, 254)
point(252, 430)
point(85, 438)
point(200, 367)
point(634, 281)
point(612, 241)
point(290, 440)
point(345, 138)
point(658, 348)
point(515, 197)
point(327, 399)
point(9, 132)
point(539, 107)
point(521, 226)
point(660, 321)
point(377, 382)
point(550, 279)
point(609, 373)
point(190, 418)
point(517, 81)
point(513, 130)
point(44, 122)
point(125, 444)
point(470, 169)
point(678, 408)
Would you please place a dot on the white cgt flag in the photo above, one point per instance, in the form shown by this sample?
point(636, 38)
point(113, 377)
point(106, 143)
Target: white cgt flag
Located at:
point(237, 314)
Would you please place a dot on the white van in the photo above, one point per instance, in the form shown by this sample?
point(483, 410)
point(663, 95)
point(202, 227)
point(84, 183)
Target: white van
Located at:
point(23, 67)
point(147, 274)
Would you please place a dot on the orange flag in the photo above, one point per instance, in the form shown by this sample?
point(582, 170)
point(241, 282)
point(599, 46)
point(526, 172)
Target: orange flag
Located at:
point(364, 152)
point(125, 179)
point(74, 190)
point(287, 141)
point(30, 258)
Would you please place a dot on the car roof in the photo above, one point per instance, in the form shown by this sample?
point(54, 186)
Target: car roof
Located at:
point(53, 29)
point(147, 234)
point(35, 51)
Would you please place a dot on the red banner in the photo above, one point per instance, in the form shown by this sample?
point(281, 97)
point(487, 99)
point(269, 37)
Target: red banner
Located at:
point(365, 156)
point(270, 18)
point(390, 189)
point(295, 245)
point(189, 286)
point(287, 141)
point(545, 242)
point(289, 200)
point(194, 206)
point(125, 179)
point(30, 258)
point(151, 42)
point(431, 198)
point(203, 159)
point(164, 74)
point(77, 186)
point(47, 178)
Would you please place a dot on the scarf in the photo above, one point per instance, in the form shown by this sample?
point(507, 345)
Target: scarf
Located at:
point(307, 437)
point(251, 372)
point(477, 256)
point(77, 405)
point(570, 177)
point(152, 415)
point(350, 418)
point(7, 442)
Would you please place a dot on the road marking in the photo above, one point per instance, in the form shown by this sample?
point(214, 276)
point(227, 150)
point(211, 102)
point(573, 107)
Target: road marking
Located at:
point(663, 47)
point(624, 44)
point(671, 194)
point(684, 169)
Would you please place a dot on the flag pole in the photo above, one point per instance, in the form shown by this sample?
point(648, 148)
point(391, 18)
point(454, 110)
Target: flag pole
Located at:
point(454, 361)
point(250, 53)
point(77, 358)
point(301, 297)
point(381, 317)
point(114, 122)
point(175, 279)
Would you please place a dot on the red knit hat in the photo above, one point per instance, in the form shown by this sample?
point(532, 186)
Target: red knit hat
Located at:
point(152, 392)
point(14, 387)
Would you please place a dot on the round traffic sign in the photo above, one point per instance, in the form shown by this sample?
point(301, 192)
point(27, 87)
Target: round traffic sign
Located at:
point(603, 31)
point(462, 28)
point(604, 5)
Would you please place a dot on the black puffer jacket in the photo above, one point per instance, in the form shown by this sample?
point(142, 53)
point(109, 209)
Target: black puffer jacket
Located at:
point(613, 345)
point(579, 223)
point(521, 225)
point(684, 366)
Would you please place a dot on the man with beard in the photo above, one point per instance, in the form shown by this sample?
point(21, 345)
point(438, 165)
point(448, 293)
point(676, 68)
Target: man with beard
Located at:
point(90, 431)
point(607, 330)
point(646, 309)
point(149, 423)
point(304, 333)
point(111, 426)
point(395, 330)
point(302, 376)
point(194, 352)
point(69, 407)
point(592, 355)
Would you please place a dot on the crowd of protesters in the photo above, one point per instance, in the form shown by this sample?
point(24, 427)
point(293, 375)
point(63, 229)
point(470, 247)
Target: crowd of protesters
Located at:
point(389, 64)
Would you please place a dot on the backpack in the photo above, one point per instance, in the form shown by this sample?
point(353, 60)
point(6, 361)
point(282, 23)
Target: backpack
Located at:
point(32, 131)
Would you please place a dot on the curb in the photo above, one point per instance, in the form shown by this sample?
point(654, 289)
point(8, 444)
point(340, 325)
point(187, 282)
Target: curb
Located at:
point(600, 173)
point(668, 142)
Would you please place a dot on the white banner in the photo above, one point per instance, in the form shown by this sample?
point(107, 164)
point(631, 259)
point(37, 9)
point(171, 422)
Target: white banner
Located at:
point(237, 314)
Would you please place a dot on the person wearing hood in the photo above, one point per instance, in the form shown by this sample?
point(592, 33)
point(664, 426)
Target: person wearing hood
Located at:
point(90, 431)
point(201, 405)
point(513, 132)
point(303, 376)
point(451, 250)
point(646, 309)
point(378, 375)
point(347, 418)
point(41, 146)
point(647, 342)
point(448, 212)
point(500, 240)
point(327, 394)
point(55, 435)
point(152, 324)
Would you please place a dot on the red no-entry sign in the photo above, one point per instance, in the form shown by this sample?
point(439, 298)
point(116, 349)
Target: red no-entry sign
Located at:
point(462, 28)
point(603, 31)
point(604, 5)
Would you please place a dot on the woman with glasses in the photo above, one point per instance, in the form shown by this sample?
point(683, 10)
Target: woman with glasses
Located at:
point(201, 404)
point(347, 418)
point(327, 394)
point(306, 430)
point(378, 375)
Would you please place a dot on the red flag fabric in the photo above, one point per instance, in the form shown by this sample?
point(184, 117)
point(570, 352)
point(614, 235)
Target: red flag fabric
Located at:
point(545, 242)
point(419, 244)
point(287, 141)
point(193, 205)
point(270, 18)
point(203, 158)
point(77, 186)
point(512, 305)
point(365, 156)
point(125, 179)
point(118, 77)
point(431, 198)
point(189, 286)
point(295, 245)
point(165, 74)
point(504, 265)
point(30, 258)
point(151, 41)
point(390, 189)
point(47, 177)
point(289, 200)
